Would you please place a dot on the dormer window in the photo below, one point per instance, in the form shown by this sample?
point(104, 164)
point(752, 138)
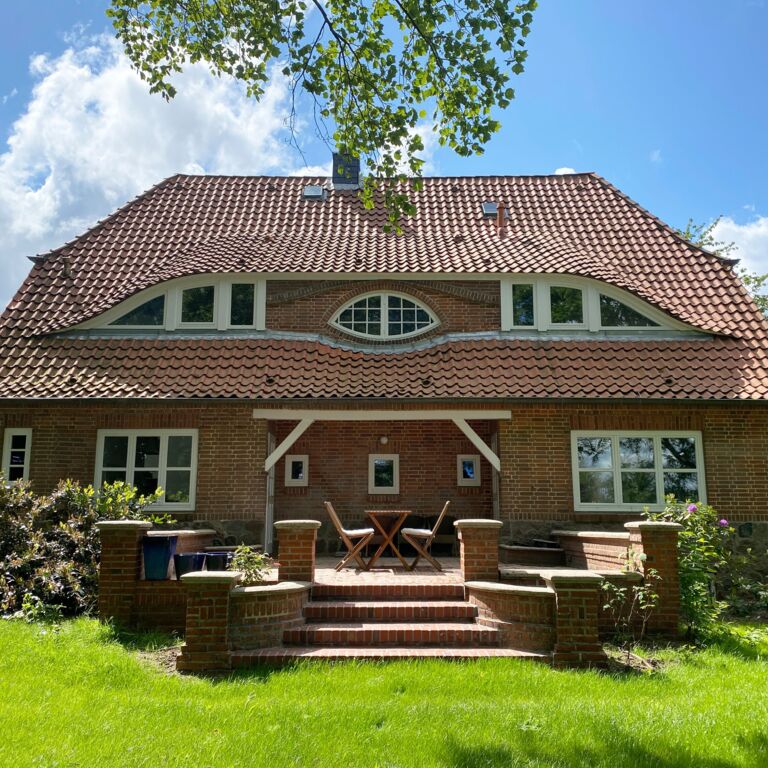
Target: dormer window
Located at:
point(150, 314)
point(385, 316)
point(616, 314)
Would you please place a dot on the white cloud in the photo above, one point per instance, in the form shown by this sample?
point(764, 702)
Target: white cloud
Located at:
point(655, 157)
point(92, 137)
point(8, 96)
point(751, 241)
point(564, 171)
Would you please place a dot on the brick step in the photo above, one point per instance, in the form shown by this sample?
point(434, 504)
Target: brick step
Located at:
point(282, 656)
point(389, 610)
point(362, 591)
point(446, 633)
point(541, 556)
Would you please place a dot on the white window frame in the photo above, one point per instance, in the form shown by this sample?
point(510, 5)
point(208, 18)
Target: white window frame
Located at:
point(591, 292)
point(460, 479)
point(291, 482)
point(163, 434)
point(384, 336)
point(615, 436)
point(172, 291)
point(375, 490)
point(10, 433)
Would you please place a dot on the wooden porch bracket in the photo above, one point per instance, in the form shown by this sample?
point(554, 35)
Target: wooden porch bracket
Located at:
point(307, 417)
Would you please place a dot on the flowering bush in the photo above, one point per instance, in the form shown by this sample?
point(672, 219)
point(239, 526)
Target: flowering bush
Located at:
point(49, 544)
point(254, 566)
point(704, 549)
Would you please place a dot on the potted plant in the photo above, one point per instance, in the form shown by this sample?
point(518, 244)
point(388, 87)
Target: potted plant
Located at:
point(158, 551)
point(187, 562)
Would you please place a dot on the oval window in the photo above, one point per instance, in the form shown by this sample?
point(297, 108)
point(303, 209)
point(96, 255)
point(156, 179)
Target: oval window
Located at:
point(384, 316)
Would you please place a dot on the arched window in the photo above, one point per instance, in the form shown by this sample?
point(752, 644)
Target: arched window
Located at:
point(384, 316)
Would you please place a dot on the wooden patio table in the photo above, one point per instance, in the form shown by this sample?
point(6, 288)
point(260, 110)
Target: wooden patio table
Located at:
point(378, 518)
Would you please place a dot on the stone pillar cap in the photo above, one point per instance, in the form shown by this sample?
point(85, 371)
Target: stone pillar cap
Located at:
point(124, 525)
point(211, 577)
point(651, 525)
point(571, 576)
point(477, 523)
point(300, 524)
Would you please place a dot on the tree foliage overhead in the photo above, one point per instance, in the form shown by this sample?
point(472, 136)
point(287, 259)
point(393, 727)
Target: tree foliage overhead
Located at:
point(374, 70)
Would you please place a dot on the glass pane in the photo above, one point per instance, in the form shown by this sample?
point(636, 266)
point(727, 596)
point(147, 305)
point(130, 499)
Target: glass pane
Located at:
point(15, 473)
point(374, 329)
point(145, 481)
point(297, 469)
point(594, 452)
point(638, 487)
point(678, 452)
point(147, 452)
point(17, 458)
point(151, 312)
point(112, 475)
point(409, 328)
point(177, 485)
point(566, 305)
point(345, 317)
point(596, 487)
point(522, 304)
point(115, 451)
point(241, 309)
point(374, 302)
point(684, 485)
point(18, 442)
point(422, 317)
point(395, 315)
point(197, 305)
point(636, 452)
point(384, 473)
point(468, 469)
point(395, 302)
point(180, 451)
point(614, 313)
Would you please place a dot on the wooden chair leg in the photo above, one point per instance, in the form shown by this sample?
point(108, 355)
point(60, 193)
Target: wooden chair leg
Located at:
point(421, 551)
point(354, 552)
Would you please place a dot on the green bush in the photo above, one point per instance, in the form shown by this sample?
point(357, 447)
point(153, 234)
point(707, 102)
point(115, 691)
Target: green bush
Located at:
point(254, 566)
point(704, 549)
point(49, 544)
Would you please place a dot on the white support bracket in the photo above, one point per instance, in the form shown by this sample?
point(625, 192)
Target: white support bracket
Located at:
point(285, 446)
point(479, 443)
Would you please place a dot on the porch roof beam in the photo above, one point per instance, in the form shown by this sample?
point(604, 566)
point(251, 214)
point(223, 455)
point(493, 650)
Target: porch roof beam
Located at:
point(285, 446)
point(294, 414)
point(479, 443)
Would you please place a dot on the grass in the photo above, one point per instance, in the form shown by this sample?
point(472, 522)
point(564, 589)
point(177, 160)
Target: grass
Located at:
point(77, 697)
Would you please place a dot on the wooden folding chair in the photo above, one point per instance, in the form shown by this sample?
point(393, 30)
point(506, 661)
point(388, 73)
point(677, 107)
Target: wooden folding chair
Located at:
point(421, 539)
point(364, 536)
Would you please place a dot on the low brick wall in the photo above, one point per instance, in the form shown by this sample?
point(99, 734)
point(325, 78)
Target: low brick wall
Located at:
point(259, 615)
point(525, 616)
point(593, 550)
point(159, 605)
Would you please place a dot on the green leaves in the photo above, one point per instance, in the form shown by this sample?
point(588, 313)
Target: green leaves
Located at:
point(371, 70)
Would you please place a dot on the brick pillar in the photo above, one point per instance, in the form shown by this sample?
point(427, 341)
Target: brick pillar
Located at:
point(479, 547)
point(577, 605)
point(120, 567)
point(206, 637)
point(658, 542)
point(296, 549)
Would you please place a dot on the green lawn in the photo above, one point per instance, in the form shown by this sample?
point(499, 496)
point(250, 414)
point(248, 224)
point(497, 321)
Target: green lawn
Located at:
point(76, 697)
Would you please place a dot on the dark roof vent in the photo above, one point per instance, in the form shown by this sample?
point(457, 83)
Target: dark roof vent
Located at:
point(346, 171)
point(313, 192)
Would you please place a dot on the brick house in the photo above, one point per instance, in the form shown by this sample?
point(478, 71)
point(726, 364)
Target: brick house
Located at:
point(539, 350)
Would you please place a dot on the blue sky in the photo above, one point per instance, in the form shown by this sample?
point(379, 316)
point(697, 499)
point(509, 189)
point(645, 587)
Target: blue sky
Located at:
point(665, 99)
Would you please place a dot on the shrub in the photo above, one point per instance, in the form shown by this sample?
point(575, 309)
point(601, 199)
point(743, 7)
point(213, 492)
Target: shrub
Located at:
point(50, 546)
point(253, 565)
point(704, 549)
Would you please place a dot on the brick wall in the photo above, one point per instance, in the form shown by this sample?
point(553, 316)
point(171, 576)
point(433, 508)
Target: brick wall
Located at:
point(308, 306)
point(338, 469)
point(535, 484)
point(231, 484)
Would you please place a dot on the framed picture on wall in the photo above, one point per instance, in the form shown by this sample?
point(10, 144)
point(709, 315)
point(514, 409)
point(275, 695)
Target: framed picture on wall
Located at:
point(468, 470)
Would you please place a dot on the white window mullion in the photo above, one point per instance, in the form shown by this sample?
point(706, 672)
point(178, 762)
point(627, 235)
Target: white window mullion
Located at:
point(172, 309)
point(542, 311)
point(617, 494)
point(260, 304)
point(162, 463)
point(658, 466)
point(385, 316)
point(222, 295)
point(506, 297)
point(130, 460)
point(591, 308)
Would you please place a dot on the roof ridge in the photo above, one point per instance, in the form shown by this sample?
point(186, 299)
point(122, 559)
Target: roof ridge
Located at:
point(408, 178)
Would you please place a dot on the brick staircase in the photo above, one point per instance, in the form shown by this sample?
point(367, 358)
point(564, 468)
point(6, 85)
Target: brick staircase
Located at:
point(386, 621)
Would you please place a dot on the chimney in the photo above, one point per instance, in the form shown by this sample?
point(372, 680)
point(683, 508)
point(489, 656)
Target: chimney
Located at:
point(346, 171)
point(501, 218)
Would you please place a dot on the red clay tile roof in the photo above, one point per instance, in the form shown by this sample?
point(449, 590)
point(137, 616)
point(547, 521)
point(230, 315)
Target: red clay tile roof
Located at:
point(576, 224)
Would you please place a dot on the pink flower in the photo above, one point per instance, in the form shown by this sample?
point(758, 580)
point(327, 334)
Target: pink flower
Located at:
point(693, 508)
point(723, 523)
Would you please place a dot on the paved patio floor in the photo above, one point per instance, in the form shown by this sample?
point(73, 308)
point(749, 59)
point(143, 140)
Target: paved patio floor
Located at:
point(388, 571)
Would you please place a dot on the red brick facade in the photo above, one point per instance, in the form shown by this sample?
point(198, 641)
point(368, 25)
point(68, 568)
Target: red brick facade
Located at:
point(534, 446)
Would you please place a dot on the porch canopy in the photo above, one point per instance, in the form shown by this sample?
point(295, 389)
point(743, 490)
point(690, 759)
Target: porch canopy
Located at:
point(307, 417)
